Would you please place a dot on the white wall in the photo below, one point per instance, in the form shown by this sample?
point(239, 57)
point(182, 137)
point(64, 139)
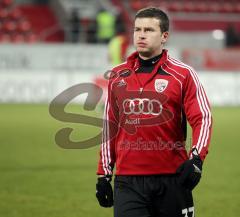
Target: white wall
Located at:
point(54, 57)
point(41, 87)
point(36, 74)
point(222, 88)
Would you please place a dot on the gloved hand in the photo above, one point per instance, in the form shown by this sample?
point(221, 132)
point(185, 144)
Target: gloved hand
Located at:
point(190, 171)
point(104, 192)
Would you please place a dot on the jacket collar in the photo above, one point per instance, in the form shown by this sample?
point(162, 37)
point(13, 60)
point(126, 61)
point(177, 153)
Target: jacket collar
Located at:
point(133, 60)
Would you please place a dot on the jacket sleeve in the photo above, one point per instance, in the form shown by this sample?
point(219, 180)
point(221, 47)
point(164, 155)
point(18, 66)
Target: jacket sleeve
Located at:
point(198, 113)
point(110, 127)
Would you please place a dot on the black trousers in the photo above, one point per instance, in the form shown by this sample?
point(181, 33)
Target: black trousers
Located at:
point(151, 196)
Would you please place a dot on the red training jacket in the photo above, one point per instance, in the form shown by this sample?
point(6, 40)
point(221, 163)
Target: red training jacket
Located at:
point(144, 132)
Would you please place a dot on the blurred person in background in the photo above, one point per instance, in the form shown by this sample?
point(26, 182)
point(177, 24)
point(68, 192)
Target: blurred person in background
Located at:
point(92, 32)
point(105, 26)
point(75, 28)
point(152, 180)
point(232, 36)
point(118, 45)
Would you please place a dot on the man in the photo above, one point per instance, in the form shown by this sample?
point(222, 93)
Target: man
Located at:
point(105, 26)
point(150, 97)
point(75, 26)
point(118, 46)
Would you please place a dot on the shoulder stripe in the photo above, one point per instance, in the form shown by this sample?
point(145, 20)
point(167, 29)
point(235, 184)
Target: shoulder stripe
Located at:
point(117, 66)
point(173, 69)
point(108, 142)
point(106, 154)
point(103, 139)
point(203, 105)
point(172, 75)
point(105, 159)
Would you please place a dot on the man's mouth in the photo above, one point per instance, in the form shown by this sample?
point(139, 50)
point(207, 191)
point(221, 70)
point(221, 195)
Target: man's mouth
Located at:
point(141, 44)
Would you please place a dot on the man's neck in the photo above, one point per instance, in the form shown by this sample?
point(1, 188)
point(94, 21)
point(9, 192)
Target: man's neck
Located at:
point(144, 57)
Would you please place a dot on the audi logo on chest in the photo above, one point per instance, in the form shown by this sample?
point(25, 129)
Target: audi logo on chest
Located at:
point(144, 106)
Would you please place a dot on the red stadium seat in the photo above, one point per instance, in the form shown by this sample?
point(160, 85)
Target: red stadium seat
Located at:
point(208, 14)
point(236, 8)
point(15, 14)
point(3, 13)
point(31, 38)
point(174, 6)
point(188, 7)
point(4, 37)
point(24, 26)
point(9, 26)
point(226, 7)
point(17, 38)
point(38, 23)
point(7, 3)
point(136, 5)
point(202, 7)
point(23, 22)
point(214, 7)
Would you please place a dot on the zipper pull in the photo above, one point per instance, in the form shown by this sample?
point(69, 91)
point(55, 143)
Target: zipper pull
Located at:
point(141, 89)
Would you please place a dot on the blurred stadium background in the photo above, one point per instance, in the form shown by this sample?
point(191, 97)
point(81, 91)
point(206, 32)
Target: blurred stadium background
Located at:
point(47, 46)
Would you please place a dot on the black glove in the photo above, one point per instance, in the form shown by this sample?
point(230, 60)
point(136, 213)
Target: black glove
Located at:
point(190, 171)
point(104, 192)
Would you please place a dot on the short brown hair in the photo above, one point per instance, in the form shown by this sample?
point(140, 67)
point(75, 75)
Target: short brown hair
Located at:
point(153, 12)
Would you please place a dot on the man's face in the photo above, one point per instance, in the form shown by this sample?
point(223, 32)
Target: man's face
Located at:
point(148, 38)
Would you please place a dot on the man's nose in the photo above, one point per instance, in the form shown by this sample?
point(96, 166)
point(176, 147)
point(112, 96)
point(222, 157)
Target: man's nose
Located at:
point(142, 35)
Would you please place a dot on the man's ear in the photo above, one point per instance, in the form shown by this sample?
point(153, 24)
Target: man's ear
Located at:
point(165, 36)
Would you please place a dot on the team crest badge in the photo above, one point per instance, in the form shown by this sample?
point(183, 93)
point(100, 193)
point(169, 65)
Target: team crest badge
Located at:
point(160, 85)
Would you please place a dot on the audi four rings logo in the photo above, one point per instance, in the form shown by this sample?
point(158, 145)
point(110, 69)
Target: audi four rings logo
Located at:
point(142, 106)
